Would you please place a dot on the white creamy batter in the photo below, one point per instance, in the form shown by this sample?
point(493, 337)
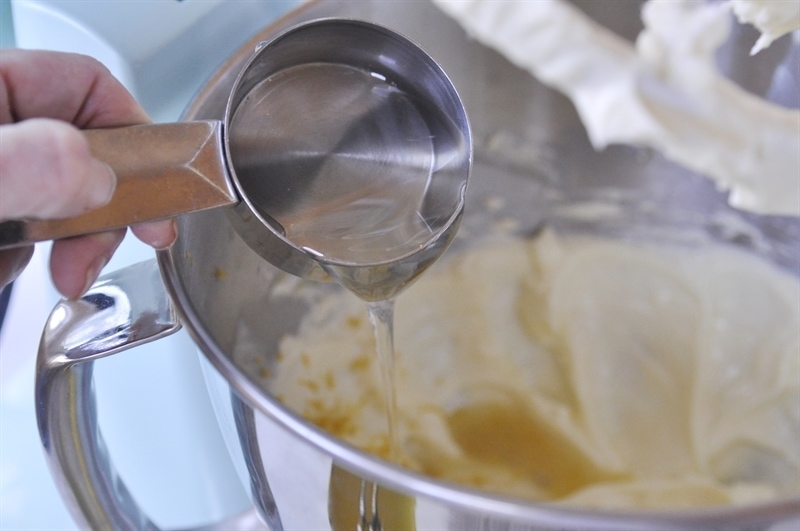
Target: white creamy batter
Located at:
point(593, 372)
point(665, 92)
point(773, 18)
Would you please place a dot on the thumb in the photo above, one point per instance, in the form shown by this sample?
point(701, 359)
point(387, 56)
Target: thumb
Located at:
point(48, 172)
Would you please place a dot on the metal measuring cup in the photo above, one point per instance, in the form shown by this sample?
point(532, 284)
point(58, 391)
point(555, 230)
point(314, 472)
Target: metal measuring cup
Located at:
point(329, 113)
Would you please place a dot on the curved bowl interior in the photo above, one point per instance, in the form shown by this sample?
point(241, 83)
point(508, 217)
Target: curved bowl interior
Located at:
point(531, 149)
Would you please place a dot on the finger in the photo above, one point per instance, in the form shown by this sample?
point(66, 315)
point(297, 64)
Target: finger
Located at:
point(157, 234)
point(75, 263)
point(69, 87)
point(48, 171)
point(12, 262)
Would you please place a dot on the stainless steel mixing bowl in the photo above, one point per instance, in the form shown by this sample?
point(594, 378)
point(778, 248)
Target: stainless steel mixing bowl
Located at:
point(531, 150)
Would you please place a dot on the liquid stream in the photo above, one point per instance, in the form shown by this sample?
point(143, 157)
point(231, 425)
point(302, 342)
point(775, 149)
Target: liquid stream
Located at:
point(361, 175)
point(367, 183)
point(381, 315)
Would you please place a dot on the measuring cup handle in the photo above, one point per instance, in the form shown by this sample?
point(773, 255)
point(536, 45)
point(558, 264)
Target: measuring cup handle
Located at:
point(122, 310)
point(162, 170)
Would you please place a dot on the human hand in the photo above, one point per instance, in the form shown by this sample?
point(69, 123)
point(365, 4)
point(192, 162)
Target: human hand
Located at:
point(46, 168)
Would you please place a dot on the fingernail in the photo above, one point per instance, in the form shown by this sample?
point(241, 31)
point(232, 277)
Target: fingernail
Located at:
point(92, 274)
point(168, 240)
point(103, 188)
point(173, 225)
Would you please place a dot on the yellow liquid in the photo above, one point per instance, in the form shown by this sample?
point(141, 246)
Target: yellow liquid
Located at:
point(504, 434)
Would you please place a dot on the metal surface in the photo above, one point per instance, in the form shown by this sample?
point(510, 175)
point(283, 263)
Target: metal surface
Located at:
point(330, 119)
point(116, 314)
point(121, 311)
point(530, 150)
point(327, 119)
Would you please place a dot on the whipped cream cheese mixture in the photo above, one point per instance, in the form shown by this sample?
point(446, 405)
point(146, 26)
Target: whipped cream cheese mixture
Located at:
point(665, 91)
point(598, 373)
point(773, 18)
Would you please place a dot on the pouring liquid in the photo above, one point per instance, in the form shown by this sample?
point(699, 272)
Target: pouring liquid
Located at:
point(381, 315)
point(358, 173)
point(352, 169)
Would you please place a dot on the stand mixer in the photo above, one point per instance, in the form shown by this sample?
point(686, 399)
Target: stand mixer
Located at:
point(522, 155)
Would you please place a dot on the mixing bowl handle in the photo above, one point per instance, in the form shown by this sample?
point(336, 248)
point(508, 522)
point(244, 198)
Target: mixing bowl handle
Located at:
point(122, 310)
